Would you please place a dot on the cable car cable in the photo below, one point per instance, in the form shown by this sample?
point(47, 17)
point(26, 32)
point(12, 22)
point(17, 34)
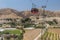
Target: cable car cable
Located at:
point(34, 10)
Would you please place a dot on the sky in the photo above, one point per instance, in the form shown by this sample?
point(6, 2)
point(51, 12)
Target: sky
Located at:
point(27, 4)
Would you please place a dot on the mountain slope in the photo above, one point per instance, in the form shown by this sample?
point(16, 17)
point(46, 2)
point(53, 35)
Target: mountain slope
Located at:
point(12, 12)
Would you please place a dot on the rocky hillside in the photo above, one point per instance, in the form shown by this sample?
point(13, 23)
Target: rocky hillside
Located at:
point(12, 12)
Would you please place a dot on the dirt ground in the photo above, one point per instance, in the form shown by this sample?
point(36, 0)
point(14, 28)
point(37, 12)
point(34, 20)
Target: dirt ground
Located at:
point(54, 30)
point(31, 34)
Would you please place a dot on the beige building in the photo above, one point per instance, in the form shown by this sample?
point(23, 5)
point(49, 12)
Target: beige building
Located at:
point(4, 19)
point(6, 26)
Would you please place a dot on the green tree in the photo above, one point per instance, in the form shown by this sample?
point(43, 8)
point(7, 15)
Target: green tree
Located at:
point(55, 21)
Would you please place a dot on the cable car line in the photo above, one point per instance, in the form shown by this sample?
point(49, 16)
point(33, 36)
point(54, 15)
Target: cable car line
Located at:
point(34, 8)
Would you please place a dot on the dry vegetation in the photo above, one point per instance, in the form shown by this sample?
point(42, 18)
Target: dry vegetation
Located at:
point(54, 30)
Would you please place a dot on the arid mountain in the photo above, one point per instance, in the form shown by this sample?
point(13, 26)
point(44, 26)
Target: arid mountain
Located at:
point(8, 13)
point(12, 12)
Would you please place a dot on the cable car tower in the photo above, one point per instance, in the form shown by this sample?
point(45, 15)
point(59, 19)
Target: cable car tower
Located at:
point(35, 10)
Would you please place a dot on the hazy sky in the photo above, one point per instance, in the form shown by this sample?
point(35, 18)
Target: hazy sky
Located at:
point(27, 4)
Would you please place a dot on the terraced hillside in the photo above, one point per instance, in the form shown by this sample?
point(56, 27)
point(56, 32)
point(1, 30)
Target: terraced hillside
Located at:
point(50, 36)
